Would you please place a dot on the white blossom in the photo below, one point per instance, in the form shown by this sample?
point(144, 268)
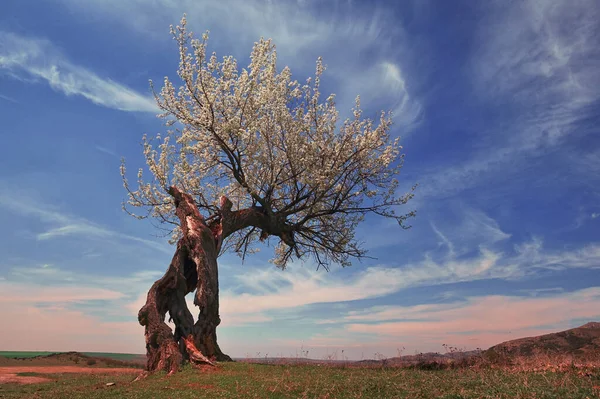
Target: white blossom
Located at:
point(261, 138)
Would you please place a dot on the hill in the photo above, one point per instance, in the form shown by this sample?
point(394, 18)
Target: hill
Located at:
point(102, 360)
point(581, 342)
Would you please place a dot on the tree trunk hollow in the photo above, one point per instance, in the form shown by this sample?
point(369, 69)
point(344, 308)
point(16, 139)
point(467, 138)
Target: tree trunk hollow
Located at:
point(193, 267)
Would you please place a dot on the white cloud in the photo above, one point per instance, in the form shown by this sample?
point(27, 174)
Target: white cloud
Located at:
point(531, 60)
point(261, 294)
point(539, 73)
point(472, 322)
point(542, 291)
point(10, 99)
point(301, 34)
point(275, 290)
point(474, 226)
point(106, 151)
point(36, 59)
point(59, 300)
point(12, 293)
point(264, 291)
point(129, 285)
point(444, 239)
point(295, 27)
point(73, 229)
point(528, 41)
point(65, 329)
point(489, 319)
point(449, 180)
point(479, 225)
point(532, 254)
point(468, 323)
point(406, 109)
point(69, 225)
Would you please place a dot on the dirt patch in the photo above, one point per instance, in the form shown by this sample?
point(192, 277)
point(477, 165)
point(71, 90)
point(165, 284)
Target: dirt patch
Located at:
point(197, 385)
point(11, 378)
point(10, 374)
point(205, 368)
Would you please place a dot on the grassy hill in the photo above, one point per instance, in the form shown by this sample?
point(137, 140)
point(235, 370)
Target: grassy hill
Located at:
point(579, 343)
point(72, 358)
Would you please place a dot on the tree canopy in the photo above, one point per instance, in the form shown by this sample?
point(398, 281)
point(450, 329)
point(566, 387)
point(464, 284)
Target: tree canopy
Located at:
point(260, 142)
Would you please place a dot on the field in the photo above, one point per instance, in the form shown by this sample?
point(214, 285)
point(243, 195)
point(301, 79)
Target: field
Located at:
point(116, 356)
point(13, 354)
point(247, 380)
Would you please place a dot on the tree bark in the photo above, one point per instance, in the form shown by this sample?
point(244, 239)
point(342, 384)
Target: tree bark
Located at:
point(193, 267)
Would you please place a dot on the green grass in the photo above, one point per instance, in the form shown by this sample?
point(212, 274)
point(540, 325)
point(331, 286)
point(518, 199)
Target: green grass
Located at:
point(12, 354)
point(242, 380)
point(116, 356)
point(30, 374)
point(24, 354)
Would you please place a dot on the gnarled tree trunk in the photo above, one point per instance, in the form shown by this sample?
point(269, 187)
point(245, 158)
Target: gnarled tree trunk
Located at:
point(193, 267)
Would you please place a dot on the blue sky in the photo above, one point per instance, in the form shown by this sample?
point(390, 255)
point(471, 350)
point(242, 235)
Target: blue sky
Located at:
point(497, 106)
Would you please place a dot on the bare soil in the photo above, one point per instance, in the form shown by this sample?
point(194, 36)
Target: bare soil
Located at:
point(11, 374)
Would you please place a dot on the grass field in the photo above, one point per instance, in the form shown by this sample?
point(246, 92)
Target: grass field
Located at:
point(117, 356)
point(244, 380)
point(108, 355)
point(14, 354)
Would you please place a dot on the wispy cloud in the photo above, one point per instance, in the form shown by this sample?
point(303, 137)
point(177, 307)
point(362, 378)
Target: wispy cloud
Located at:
point(287, 290)
point(261, 295)
point(38, 59)
point(540, 75)
point(468, 323)
point(530, 60)
point(488, 319)
point(83, 229)
point(31, 306)
point(406, 108)
point(106, 151)
point(48, 294)
point(69, 225)
point(7, 98)
point(444, 240)
point(541, 291)
point(56, 279)
point(298, 29)
point(536, 256)
point(76, 309)
point(266, 291)
point(473, 227)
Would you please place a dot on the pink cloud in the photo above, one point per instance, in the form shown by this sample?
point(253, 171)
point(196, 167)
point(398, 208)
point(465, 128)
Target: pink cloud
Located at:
point(60, 329)
point(475, 322)
point(39, 318)
point(22, 293)
point(301, 286)
point(478, 322)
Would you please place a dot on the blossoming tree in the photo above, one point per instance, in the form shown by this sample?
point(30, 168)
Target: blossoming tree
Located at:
point(254, 156)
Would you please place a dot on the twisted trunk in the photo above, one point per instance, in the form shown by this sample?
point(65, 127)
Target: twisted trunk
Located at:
point(194, 267)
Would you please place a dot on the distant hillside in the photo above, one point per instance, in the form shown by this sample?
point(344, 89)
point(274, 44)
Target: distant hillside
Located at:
point(72, 358)
point(580, 342)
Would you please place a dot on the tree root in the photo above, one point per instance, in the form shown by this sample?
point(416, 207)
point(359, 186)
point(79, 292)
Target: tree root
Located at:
point(196, 357)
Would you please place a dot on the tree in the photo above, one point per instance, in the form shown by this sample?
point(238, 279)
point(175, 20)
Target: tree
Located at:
point(253, 156)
